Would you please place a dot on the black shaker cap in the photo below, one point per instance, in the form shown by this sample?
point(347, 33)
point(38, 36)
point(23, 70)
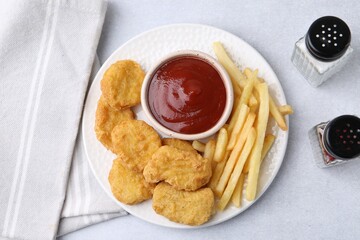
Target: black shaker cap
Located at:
point(328, 38)
point(342, 137)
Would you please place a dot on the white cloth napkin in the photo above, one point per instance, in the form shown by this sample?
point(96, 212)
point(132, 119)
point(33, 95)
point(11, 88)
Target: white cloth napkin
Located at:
point(47, 50)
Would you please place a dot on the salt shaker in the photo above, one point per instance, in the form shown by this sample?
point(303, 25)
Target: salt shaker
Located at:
point(324, 50)
point(336, 141)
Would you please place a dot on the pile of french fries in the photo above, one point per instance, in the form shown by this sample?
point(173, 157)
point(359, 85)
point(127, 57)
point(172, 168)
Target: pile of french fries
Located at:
point(242, 143)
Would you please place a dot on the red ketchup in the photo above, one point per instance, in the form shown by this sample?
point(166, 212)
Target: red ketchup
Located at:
point(187, 95)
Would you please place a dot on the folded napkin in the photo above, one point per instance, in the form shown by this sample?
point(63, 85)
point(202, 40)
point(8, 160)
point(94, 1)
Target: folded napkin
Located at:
point(47, 49)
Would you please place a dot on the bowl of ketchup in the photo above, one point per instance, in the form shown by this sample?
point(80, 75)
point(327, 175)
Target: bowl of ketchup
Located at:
point(187, 95)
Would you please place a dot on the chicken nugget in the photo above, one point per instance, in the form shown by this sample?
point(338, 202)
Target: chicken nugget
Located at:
point(127, 186)
point(106, 119)
point(134, 141)
point(192, 208)
point(121, 84)
point(184, 170)
point(179, 144)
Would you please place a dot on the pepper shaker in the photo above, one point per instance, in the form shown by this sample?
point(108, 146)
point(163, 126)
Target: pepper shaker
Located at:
point(324, 50)
point(336, 141)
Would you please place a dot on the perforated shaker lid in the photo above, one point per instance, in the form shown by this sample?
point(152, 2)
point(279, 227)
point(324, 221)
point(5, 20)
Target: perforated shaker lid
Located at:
point(342, 137)
point(328, 38)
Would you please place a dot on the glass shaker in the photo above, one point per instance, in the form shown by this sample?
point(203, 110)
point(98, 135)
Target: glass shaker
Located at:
point(323, 51)
point(336, 141)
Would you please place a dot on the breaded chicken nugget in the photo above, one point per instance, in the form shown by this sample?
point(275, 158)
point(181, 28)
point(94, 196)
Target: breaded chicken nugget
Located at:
point(179, 144)
point(134, 141)
point(192, 208)
point(106, 119)
point(184, 170)
point(127, 186)
point(121, 84)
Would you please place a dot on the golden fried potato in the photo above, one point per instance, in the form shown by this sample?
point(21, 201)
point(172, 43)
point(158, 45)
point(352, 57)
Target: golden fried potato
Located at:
point(179, 144)
point(184, 170)
point(121, 84)
point(134, 141)
point(106, 119)
point(192, 208)
point(127, 186)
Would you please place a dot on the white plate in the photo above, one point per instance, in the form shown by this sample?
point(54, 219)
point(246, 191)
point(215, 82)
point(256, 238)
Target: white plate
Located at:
point(146, 49)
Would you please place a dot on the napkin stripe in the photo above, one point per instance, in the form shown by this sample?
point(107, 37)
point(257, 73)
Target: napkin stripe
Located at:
point(86, 186)
point(78, 196)
point(26, 121)
point(69, 194)
point(34, 116)
point(77, 188)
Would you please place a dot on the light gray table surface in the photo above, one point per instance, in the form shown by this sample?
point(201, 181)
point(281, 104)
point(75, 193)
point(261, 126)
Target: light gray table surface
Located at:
point(303, 202)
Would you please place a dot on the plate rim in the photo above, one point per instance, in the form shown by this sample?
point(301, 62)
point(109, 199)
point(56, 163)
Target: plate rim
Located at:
point(178, 225)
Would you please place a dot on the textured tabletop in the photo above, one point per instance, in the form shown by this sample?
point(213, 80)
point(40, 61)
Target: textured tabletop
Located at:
point(303, 202)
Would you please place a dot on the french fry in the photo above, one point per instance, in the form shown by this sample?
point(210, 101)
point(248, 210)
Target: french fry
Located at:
point(244, 110)
point(236, 89)
point(246, 94)
point(268, 142)
point(233, 118)
point(277, 115)
point(226, 62)
point(209, 152)
point(234, 154)
point(198, 146)
point(247, 97)
point(218, 171)
point(209, 149)
point(254, 108)
point(236, 197)
point(237, 170)
point(235, 106)
point(253, 102)
point(221, 144)
point(255, 157)
point(256, 94)
point(229, 65)
point(246, 129)
point(286, 110)
point(236, 76)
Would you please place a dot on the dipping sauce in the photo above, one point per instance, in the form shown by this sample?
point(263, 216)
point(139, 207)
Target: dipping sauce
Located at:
point(187, 95)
